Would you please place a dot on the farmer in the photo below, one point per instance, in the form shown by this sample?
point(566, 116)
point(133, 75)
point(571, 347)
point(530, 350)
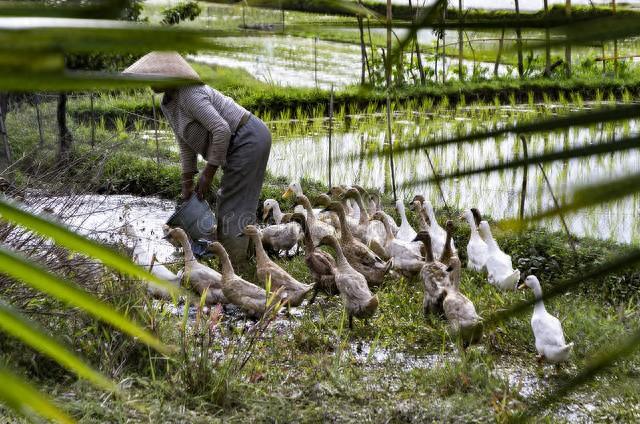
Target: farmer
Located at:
point(227, 136)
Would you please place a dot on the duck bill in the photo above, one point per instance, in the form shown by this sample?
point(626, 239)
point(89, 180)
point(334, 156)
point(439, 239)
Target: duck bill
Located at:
point(265, 213)
point(521, 286)
point(287, 193)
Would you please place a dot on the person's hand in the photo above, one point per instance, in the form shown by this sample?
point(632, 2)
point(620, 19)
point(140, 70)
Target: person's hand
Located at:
point(205, 180)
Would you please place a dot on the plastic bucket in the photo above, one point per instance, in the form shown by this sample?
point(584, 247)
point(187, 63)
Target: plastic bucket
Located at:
point(196, 218)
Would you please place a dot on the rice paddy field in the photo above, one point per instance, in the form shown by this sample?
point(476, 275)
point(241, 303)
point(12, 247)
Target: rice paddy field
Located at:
point(304, 364)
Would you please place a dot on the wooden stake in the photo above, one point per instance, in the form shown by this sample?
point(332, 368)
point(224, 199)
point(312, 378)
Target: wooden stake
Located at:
point(388, 78)
point(330, 133)
point(39, 119)
point(155, 127)
point(93, 122)
point(523, 193)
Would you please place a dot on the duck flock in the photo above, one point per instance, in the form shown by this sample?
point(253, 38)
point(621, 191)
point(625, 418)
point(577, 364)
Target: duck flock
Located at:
point(368, 246)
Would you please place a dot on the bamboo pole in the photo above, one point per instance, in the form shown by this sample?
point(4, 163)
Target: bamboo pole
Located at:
point(444, 43)
point(155, 127)
point(39, 119)
point(388, 78)
point(93, 122)
point(519, 41)
point(330, 133)
point(567, 49)
point(315, 60)
point(615, 44)
point(557, 206)
point(497, 64)
point(547, 36)
point(523, 193)
point(460, 42)
point(4, 135)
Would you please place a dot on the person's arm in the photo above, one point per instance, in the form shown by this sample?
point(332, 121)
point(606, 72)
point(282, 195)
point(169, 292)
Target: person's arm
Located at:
point(205, 180)
point(189, 161)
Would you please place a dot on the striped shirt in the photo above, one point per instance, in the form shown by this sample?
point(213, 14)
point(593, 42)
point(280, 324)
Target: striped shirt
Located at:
point(203, 120)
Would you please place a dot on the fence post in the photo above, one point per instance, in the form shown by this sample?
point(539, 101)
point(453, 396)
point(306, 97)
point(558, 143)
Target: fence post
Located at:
point(315, 60)
point(460, 41)
point(155, 127)
point(330, 133)
point(3, 131)
point(567, 49)
point(615, 45)
point(93, 122)
point(39, 119)
point(523, 193)
point(388, 78)
point(498, 57)
point(547, 35)
point(519, 41)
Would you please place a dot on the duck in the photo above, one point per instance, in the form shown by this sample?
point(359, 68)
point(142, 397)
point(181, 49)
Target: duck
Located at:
point(423, 220)
point(368, 202)
point(293, 292)
point(318, 228)
point(283, 236)
point(148, 260)
point(245, 295)
point(320, 263)
point(330, 218)
point(194, 274)
point(434, 276)
point(437, 233)
point(272, 206)
point(459, 310)
point(477, 249)
point(420, 210)
point(295, 189)
point(358, 300)
point(547, 329)
point(499, 267)
point(406, 256)
point(360, 256)
point(405, 231)
point(373, 231)
point(448, 251)
point(337, 193)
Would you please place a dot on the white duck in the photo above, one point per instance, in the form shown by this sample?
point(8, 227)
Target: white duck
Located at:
point(547, 329)
point(196, 275)
point(437, 233)
point(147, 260)
point(477, 249)
point(281, 236)
point(499, 267)
point(405, 231)
point(407, 256)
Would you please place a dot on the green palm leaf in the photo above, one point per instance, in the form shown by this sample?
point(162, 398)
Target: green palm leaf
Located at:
point(26, 400)
point(33, 275)
point(12, 322)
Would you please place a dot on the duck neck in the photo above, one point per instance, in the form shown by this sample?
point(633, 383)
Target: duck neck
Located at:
point(345, 233)
point(341, 260)
point(277, 213)
point(432, 216)
point(225, 263)
point(261, 254)
point(364, 214)
point(491, 241)
point(311, 218)
point(428, 250)
point(447, 252)
point(422, 219)
point(537, 292)
point(308, 240)
point(387, 230)
point(189, 259)
point(472, 224)
point(403, 215)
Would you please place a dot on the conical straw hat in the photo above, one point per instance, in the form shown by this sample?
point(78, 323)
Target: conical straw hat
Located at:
point(166, 64)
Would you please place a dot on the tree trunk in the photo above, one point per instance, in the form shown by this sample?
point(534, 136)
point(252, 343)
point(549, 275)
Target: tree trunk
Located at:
point(64, 135)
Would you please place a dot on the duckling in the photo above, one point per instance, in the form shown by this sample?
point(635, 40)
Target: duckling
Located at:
point(148, 260)
point(547, 329)
point(360, 256)
point(459, 310)
point(405, 231)
point(437, 233)
point(358, 300)
point(200, 277)
point(407, 258)
point(499, 267)
point(318, 229)
point(434, 276)
point(247, 296)
point(293, 292)
point(372, 231)
point(321, 264)
point(477, 249)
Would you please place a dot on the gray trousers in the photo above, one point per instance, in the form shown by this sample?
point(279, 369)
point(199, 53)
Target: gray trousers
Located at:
point(240, 187)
